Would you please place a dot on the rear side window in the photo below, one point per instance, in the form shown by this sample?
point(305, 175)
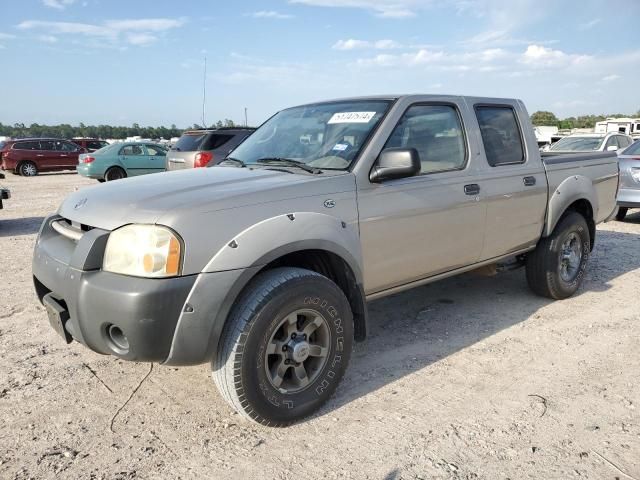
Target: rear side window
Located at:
point(189, 142)
point(500, 135)
point(623, 142)
point(46, 145)
point(634, 149)
point(131, 150)
point(215, 141)
point(27, 146)
point(95, 144)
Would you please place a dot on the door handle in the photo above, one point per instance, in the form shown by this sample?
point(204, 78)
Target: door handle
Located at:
point(40, 155)
point(529, 181)
point(472, 189)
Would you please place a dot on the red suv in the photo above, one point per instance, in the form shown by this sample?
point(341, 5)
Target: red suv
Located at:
point(90, 144)
point(29, 156)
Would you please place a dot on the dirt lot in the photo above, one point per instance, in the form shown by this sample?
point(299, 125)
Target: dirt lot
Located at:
point(469, 378)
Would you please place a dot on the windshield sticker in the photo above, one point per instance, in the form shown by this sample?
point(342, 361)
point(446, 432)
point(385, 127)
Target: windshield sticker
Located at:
point(351, 117)
point(340, 147)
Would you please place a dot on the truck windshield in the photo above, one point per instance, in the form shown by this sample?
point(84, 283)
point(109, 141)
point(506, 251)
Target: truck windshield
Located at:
point(578, 144)
point(326, 135)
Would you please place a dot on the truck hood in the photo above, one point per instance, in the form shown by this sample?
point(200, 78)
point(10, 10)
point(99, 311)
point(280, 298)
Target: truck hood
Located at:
point(146, 198)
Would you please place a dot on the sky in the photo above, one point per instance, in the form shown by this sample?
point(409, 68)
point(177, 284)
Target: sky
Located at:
point(141, 61)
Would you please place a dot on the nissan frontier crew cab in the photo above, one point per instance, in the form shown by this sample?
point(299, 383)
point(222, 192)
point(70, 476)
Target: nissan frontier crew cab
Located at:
point(263, 265)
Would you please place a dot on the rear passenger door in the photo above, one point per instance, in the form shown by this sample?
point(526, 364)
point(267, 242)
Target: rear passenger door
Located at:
point(513, 180)
point(134, 160)
point(47, 156)
point(417, 227)
point(67, 153)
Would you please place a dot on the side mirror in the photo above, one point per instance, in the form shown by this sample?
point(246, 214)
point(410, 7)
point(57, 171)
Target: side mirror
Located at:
point(612, 148)
point(395, 163)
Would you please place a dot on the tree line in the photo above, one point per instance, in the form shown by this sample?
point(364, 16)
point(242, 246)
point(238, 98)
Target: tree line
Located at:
point(20, 130)
point(544, 118)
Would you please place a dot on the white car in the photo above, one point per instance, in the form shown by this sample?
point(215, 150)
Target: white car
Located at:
point(591, 142)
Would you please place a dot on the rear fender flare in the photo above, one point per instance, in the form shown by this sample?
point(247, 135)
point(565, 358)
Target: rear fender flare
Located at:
point(572, 189)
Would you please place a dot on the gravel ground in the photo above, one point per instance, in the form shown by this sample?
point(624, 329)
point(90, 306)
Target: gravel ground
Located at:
point(469, 378)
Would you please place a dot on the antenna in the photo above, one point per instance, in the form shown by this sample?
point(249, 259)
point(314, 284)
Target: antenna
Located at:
point(204, 92)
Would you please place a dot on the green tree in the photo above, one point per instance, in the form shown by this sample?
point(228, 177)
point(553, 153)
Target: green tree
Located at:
point(543, 118)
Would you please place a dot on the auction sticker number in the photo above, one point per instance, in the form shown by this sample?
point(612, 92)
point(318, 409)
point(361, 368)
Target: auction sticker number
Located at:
point(351, 117)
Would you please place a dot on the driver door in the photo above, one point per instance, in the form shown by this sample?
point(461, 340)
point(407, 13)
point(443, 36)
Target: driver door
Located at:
point(417, 227)
point(133, 158)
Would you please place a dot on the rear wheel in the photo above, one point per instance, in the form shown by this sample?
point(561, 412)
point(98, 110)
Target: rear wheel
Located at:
point(622, 212)
point(28, 169)
point(115, 173)
point(285, 346)
point(556, 268)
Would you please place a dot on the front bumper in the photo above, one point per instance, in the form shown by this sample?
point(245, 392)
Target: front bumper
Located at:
point(175, 321)
point(629, 197)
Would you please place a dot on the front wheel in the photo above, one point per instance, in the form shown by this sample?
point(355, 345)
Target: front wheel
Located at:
point(555, 269)
point(622, 212)
point(285, 346)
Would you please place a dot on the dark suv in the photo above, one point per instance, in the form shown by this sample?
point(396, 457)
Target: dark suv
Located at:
point(199, 148)
point(90, 144)
point(28, 156)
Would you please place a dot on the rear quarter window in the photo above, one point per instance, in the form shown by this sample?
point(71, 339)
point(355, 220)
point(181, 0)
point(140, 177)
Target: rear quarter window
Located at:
point(26, 146)
point(501, 135)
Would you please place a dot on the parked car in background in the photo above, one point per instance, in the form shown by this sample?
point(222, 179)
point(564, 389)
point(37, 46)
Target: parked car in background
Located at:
point(5, 193)
point(200, 148)
point(591, 142)
point(629, 190)
point(90, 144)
point(121, 160)
point(28, 156)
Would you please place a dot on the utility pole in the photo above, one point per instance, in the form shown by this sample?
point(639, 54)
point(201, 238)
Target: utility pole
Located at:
point(204, 92)
point(246, 124)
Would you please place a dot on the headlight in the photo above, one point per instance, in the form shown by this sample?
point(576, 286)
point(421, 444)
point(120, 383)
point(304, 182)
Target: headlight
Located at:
point(143, 251)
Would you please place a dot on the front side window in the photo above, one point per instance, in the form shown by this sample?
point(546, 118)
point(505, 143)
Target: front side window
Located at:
point(324, 135)
point(131, 150)
point(66, 146)
point(47, 145)
point(153, 150)
point(623, 142)
point(436, 133)
point(500, 135)
point(634, 149)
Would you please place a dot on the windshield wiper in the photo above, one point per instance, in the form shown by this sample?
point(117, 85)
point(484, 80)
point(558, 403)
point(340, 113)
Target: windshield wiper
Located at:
point(236, 161)
point(289, 163)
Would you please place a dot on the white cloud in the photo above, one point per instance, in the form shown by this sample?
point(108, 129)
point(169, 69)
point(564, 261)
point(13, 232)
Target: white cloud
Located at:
point(590, 24)
point(48, 38)
point(353, 44)
point(538, 56)
point(610, 78)
point(58, 4)
point(381, 8)
point(271, 14)
point(132, 31)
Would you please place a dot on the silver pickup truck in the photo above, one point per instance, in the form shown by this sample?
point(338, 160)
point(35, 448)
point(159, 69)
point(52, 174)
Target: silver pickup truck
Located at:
point(263, 265)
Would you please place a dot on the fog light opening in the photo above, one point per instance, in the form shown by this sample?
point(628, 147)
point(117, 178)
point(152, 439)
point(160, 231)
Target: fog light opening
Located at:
point(118, 338)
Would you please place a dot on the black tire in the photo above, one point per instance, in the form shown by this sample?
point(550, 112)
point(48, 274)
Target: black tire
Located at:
point(101, 180)
point(622, 212)
point(28, 169)
point(114, 173)
point(548, 271)
point(241, 368)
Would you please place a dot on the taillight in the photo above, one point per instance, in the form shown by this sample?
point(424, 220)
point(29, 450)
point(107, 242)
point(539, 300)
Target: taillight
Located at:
point(88, 159)
point(202, 159)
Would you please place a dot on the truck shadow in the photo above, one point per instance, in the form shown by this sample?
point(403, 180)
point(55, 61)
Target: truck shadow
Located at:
point(15, 227)
point(414, 329)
